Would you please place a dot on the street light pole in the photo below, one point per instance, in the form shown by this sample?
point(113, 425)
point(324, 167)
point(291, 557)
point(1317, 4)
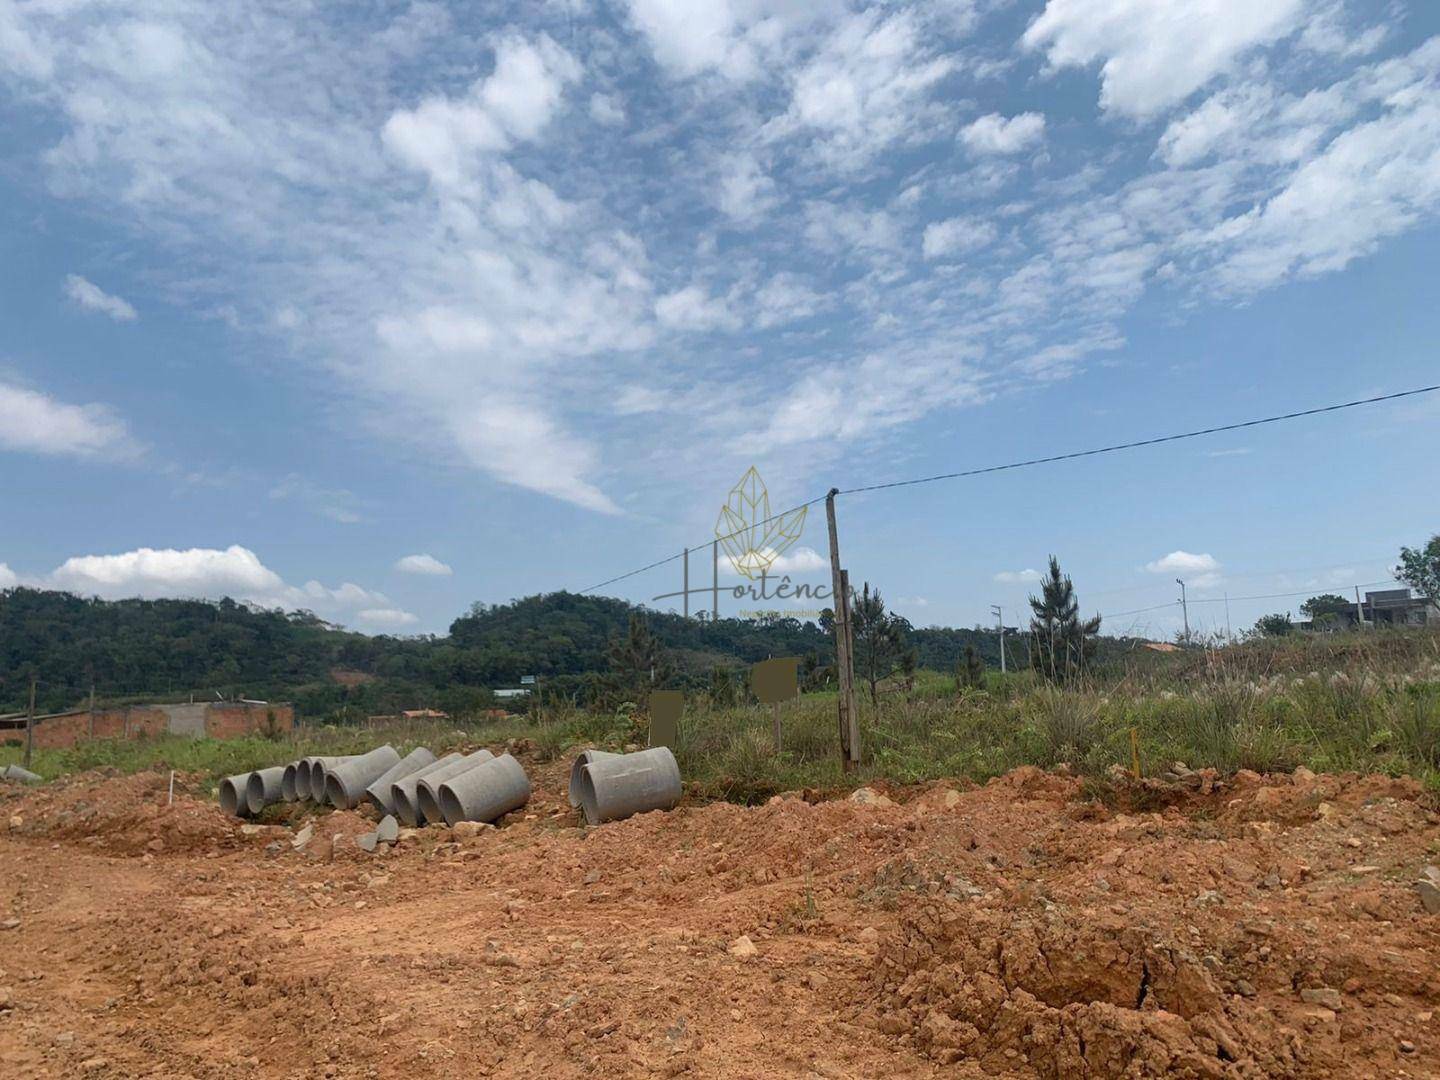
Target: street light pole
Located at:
point(1000, 622)
point(1185, 609)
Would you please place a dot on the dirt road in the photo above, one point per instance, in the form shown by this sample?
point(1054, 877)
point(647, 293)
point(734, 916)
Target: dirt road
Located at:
point(1258, 928)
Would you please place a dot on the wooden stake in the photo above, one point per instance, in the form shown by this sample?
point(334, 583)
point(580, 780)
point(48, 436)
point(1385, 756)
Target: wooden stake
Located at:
point(1134, 754)
point(844, 644)
point(776, 707)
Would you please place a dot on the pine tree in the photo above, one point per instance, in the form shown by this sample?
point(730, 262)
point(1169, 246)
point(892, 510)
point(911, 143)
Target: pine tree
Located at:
point(1062, 643)
point(880, 639)
point(638, 662)
point(971, 669)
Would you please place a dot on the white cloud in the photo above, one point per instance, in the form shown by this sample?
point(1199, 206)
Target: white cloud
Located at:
point(425, 565)
point(607, 109)
point(387, 617)
point(1199, 571)
point(994, 134)
point(956, 236)
point(204, 573)
point(745, 192)
point(93, 298)
point(798, 560)
point(8, 577)
point(337, 504)
point(1017, 577)
point(692, 308)
point(1156, 53)
point(32, 422)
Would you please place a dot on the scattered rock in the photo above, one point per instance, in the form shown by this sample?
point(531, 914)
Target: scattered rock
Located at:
point(1303, 775)
point(157, 845)
point(10, 924)
point(1323, 996)
point(468, 830)
point(1244, 988)
point(250, 829)
point(870, 797)
point(388, 831)
point(94, 1064)
point(7, 998)
point(742, 948)
point(303, 837)
point(869, 935)
point(1429, 895)
point(16, 821)
point(592, 878)
point(367, 841)
point(1406, 1046)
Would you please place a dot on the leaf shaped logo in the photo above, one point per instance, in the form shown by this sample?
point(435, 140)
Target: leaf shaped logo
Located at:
point(752, 537)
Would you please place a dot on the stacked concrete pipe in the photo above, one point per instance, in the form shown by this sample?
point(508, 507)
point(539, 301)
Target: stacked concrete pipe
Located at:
point(403, 791)
point(263, 788)
point(378, 793)
point(320, 768)
point(232, 795)
point(15, 772)
point(345, 783)
point(615, 786)
point(427, 789)
point(486, 792)
point(581, 760)
point(288, 783)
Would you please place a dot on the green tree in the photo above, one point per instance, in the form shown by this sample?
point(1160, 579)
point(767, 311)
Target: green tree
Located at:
point(1325, 608)
point(1277, 625)
point(971, 669)
point(638, 662)
point(1420, 569)
point(1062, 641)
point(881, 639)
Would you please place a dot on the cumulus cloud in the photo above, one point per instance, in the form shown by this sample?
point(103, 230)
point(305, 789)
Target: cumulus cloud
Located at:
point(1201, 570)
point(8, 577)
point(93, 298)
point(1156, 53)
point(389, 618)
point(204, 573)
point(425, 565)
point(33, 422)
point(798, 560)
point(995, 134)
point(1017, 577)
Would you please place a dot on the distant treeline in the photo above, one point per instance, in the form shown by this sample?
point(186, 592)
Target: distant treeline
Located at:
point(141, 649)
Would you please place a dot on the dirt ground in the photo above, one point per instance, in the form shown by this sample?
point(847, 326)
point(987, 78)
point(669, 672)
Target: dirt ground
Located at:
point(1260, 927)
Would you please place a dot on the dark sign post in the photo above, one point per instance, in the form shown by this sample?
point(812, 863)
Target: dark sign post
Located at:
point(666, 706)
point(775, 681)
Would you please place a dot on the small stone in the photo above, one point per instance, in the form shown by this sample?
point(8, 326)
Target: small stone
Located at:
point(16, 821)
point(10, 924)
point(1429, 895)
point(742, 948)
point(388, 831)
point(870, 797)
point(157, 845)
point(592, 878)
point(250, 829)
point(303, 837)
point(1244, 988)
point(817, 981)
point(94, 1064)
point(7, 998)
point(367, 841)
point(869, 935)
point(407, 835)
point(1431, 873)
point(1365, 869)
point(378, 881)
point(1303, 775)
point(468, 830)
point(1323, 996)
point(1406, 1046)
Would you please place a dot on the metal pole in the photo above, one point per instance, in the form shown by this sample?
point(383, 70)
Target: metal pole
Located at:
point(714, 580)
point(1359, 611)
point(1000, 620)
point(1185, 609)
point(687, 582)
point(30, 725)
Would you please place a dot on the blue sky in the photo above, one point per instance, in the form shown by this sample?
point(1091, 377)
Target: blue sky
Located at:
point(382, 314)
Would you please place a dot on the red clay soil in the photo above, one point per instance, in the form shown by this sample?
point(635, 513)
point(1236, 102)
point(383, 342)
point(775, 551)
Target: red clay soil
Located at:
point(1260, 928)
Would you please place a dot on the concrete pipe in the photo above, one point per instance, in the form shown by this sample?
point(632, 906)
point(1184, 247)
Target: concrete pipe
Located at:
point(288, 783)
point(581, 760)
point(612, 788)
point(319, 766)
point(345, 783)
point(486, 792)
point(263, 788)
point(302, 778)
point(15, 772)
point(378, 793)
point(403, 791)
point(427, 791)
point(232, 795)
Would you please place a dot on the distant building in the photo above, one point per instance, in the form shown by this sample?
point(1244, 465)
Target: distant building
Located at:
point(1387, 607)
point(215, 719)
point(523, 691)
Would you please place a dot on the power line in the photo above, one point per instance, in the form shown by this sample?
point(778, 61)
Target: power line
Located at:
point(1239, 599)
point(1143, 442)
point(1039, 461)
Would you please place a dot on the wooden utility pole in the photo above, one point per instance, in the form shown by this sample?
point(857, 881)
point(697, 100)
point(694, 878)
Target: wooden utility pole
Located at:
point(844, 644)
point(30, 725)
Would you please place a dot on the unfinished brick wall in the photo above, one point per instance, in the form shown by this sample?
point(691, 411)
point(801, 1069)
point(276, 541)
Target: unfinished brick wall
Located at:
point(222, 721)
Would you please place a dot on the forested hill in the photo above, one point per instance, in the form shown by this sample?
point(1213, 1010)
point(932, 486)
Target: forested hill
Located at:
point(140, 649)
